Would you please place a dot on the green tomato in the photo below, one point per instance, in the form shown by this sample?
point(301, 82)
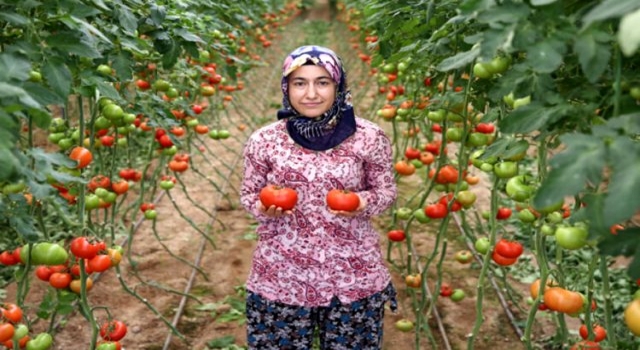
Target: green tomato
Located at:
point(403, 213)
point(555, 217)
point(122, 142)
point(56, 137)
point(107, 346)
point(481, 71)
point(110, 197)
point(57, 125)
point(478, 139)
point(172, 93)
point(223, 134)
point(526, 216)
point(437, 116)
point(101, 192)
point(35, 76)
point(417, 163)
point(421, 216)
point(518, 188)
point(571, 237)
point(102, 123)
point(486, 167)
point(91, 201)
point(635, 92)
point(404, 325)
point(457, 295)
point(113, 112)
point(167, 185)
point(505, 170)
point(454, 134)
point(42, 342)
point(104, 69)
point(170, 151)
point(150, 214)
point(161, 85)
point(498, 65)
point(44, 253)
point(482, 245)
point(14, 188)
point(20, 331)
point(519, 102)
point(547, 230)
point(466, 198)
point(129, 118)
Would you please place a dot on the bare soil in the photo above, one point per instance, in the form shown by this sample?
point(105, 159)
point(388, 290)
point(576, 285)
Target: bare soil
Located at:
point(156, 280)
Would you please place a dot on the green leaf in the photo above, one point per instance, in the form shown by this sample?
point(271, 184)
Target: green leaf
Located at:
point(71, 43)
point(506, 13)
point(221, 342)
point(14, 18)
point(532, 117)
point(158, 14)
point(610, 9)
point(91, 31)
point(542, 2)
point(624, 186)
point(58, 76)
point(25, 226)
point(582, 161)
point(8, 91)
point(629, 33)
point(44, 96)
point(459, 60)
point(188, 36)
point(593, 56)
point(628, 123)
point(9, 164)
point(128, 20)
point(625, 243)
point(546, 56)
point(13, 67)
point(107, 90)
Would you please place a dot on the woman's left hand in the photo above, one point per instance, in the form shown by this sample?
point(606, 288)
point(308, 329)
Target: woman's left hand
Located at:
point(350, 214)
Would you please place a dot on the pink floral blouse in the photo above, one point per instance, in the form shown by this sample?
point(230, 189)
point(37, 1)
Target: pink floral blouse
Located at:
point(312, 255)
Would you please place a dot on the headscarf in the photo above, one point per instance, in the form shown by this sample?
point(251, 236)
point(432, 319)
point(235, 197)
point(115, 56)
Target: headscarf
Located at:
point(336, 124)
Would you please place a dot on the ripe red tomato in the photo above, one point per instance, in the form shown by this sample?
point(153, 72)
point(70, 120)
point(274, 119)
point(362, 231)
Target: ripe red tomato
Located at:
point(586, 345)
point(120, 187)
point(563, 300)
point(485, 128)
point(99, 181)
point(165, 141)
point(60, 280)
point(143, 84)
point(43, 273)
point(436, 210)
point(396, 235)
point(7, 258)
point(503, 213)
point(501, 260)
point(178, 166)
point(6, 331)
point(599, 333)
point(343, 200)
point(509, 249)
point(455, 206)
point(82, 156)
point(81, 247)
point(100, 263)
point(278, 196)
point(113, 330)
point(445, 290)
point(404, 168)
point(412, 153)
point(11, 312)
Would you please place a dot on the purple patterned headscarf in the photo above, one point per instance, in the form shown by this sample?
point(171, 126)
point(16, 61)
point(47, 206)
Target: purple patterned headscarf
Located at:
point(336, 124)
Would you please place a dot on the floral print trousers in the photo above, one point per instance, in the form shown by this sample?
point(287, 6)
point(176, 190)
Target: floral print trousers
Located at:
point(355, 326)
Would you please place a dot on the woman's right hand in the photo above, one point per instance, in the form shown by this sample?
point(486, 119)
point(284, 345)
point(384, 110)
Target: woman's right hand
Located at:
point(273, 211)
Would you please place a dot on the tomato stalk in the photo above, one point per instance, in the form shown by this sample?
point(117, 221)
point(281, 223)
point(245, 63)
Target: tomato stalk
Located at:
point(187, 219)
point(608, 307)
point(84, 304)
point(485, 265)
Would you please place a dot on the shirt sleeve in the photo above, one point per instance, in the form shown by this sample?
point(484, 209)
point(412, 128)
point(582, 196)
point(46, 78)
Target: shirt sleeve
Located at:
point(380, 186)
point(254, 178)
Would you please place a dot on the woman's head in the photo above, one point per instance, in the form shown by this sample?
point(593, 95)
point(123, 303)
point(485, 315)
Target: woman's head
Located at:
point(316, 102)
point(313, 82)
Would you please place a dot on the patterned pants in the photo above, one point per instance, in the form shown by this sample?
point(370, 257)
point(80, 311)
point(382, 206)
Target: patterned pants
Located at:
point(356, 326)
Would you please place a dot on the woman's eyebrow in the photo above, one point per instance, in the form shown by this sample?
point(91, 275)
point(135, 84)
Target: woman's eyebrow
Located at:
point(317, 78)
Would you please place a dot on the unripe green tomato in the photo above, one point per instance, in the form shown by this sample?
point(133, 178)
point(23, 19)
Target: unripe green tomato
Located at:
point(480, 70)
point(75, 134)
point(91, 201)
point(166, 184)
point(455, 117)
point(571, 237)
point(41, 342)
point(13, 188)
point(440, 187)
point(20, 331)
point(214, 134)
point(458, 295)
point(482, 245)
point(417, 163)
point(104, 69)
point(403, 213)
point(224, 134)
point(486, 215)
point(56, 137)
point(421, 216)
point(122, 142)
point(635, 92)
point(505, 170)
point(129, 118)
point(555, 217)
point(498, 65)
point(57, 125)
point(101, 192)
point(547, 230)
point(170, 151)
point(486, 167)
point(478, 139)
point(110, 197)
point(454, 134)
point(192, 123)
point(518, 188)
point(102, 123)
point(44, 253)
point(35, 76)
point(113, 112)
point(150, 214)
point(526, 216)
point(65, 144)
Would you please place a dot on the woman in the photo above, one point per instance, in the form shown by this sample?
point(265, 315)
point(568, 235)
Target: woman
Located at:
point(316, 270)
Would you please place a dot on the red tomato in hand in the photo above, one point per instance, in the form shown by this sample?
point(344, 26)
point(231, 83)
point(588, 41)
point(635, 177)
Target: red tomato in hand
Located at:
point(282, 197)
point(343, 200)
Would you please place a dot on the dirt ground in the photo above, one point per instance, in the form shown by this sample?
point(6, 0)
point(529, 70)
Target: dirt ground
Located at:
point(156, 280)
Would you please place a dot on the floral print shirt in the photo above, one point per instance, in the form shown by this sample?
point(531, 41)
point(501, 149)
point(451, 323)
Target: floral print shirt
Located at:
point(311, 256)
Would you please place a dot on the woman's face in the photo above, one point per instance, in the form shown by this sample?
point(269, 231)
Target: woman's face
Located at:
point(311, 90)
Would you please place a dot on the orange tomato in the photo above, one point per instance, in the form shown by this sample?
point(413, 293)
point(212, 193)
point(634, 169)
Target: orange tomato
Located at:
point(82, 156)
